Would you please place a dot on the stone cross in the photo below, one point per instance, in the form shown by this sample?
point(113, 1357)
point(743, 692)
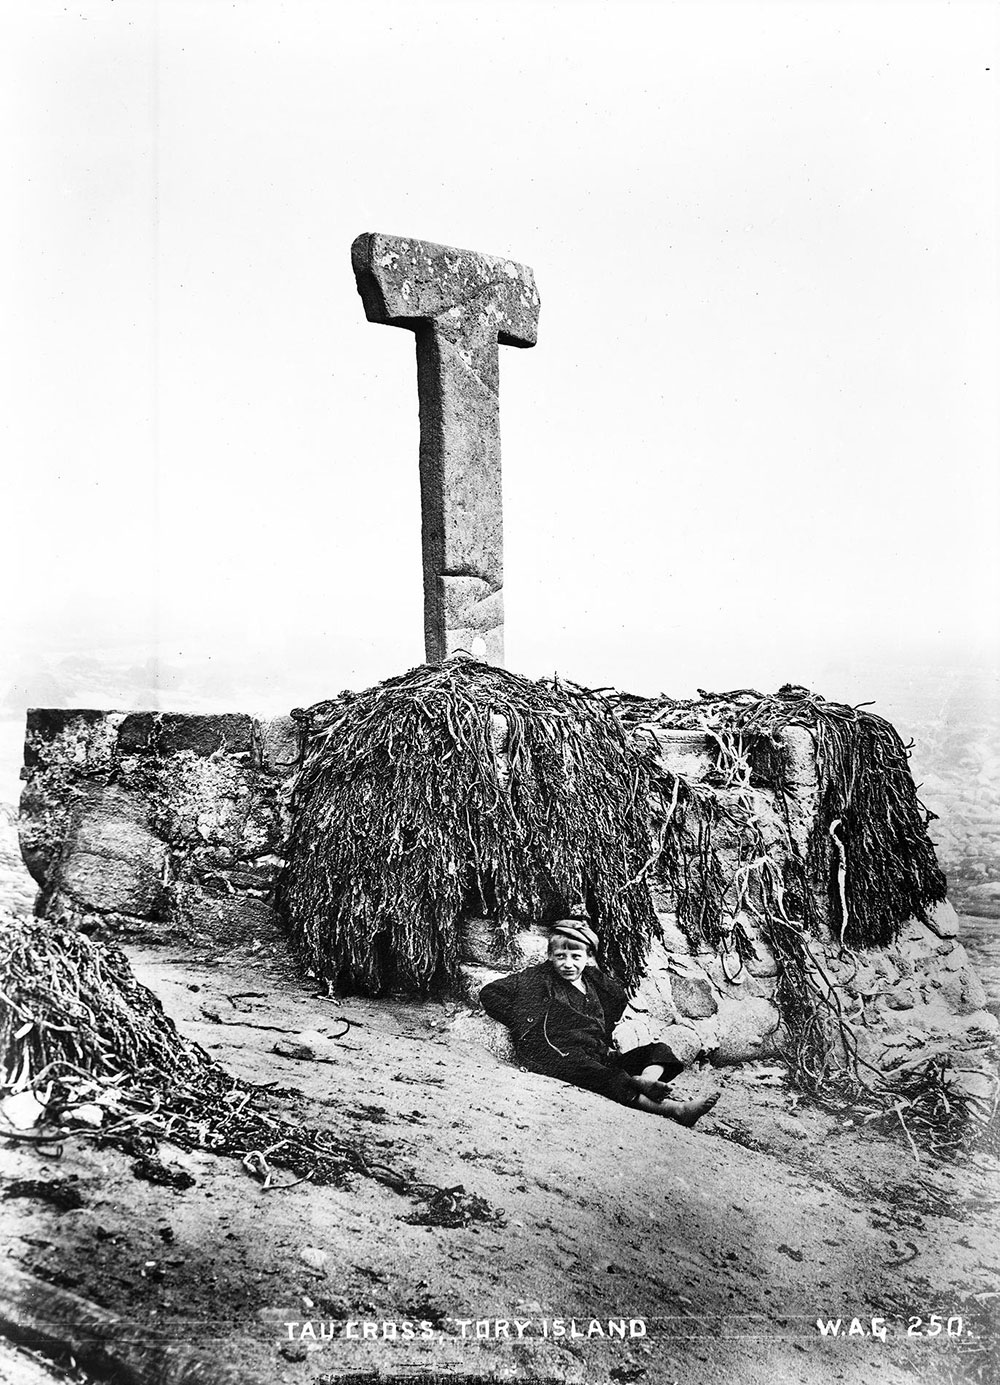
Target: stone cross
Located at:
point(462, 307)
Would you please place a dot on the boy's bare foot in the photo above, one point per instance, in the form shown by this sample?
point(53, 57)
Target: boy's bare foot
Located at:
point(688, 1112)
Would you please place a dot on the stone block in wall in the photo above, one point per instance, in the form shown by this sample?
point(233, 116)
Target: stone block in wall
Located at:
point(968, 1041)
point(764, 964)
point(279, 745)
point(672, 938)
point(902, 997)
point(204, 735)
point(232, 921)
point(111, 860)
point(747, 1030)
point(136, 733)
point(474, 978)
point(653, 1000)
point(916, 942)
point(633, 1030)
point(79, 740)
point(942, 920)
point(862, 980)
point(962, 991)
point(688, 754)
point(500, 746)
point(733, 979)
point(693, 997)
point(978, 1083)
point(479, 945)
point(799, 747)
point(200, 799)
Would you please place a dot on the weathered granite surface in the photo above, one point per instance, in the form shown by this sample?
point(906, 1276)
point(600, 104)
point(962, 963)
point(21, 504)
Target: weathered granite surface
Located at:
point(462, 307)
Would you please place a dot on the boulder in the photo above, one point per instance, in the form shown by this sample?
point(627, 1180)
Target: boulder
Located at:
point(490, 1033)
point(685, 1041)
point(475, 978)
point(747, 1030)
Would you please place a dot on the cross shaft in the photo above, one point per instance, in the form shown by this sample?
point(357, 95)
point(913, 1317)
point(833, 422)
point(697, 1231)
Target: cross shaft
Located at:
point(461, 306)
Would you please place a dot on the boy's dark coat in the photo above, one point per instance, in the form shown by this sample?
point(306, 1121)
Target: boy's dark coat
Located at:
point(552, 1037)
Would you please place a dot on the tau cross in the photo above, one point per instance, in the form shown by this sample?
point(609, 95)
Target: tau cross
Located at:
point(462, 307)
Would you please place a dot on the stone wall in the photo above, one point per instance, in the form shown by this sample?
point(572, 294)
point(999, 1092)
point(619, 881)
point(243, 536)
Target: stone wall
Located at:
point(157, 822)
point(903, 1004)
point(166, 823)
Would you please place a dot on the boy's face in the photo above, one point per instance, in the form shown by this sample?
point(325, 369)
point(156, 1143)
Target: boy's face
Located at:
point(568, 958)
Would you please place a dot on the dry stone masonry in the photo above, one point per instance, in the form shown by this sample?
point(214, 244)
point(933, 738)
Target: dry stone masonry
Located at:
point(906, 1003)
point(157, 822)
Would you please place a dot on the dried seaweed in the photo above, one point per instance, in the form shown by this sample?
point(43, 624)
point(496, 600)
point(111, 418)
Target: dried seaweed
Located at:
point(108, 1065)
point(869, 859)
point(407, 815)
point(869, 866)
point(881, 869)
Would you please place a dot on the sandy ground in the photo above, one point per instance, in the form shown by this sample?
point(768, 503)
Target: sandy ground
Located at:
point(722, 1246)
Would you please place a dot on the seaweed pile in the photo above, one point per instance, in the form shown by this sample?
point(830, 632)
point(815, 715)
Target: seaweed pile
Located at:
point(868, 850)
point(412, 810)
point(105, 1063)
point(405, 819)
point(868, 866)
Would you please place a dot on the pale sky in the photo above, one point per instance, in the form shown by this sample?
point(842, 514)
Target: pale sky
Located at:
point(758, 437)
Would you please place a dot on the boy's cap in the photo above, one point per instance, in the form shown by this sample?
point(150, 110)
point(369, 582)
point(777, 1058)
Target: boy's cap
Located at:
point(577, 930)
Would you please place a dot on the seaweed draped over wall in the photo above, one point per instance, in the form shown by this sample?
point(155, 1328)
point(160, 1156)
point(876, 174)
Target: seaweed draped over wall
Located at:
point(869, 864)
point(456, 789)
point(468, 789)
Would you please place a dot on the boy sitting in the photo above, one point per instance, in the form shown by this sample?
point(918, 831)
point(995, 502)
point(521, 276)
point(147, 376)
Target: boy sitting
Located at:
point(561, 1014)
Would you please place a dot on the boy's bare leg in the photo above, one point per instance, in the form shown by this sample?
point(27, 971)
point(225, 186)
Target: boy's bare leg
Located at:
point(684, 1112)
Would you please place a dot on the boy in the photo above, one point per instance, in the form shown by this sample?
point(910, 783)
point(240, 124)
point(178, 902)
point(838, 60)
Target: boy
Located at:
point(561, 1014)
